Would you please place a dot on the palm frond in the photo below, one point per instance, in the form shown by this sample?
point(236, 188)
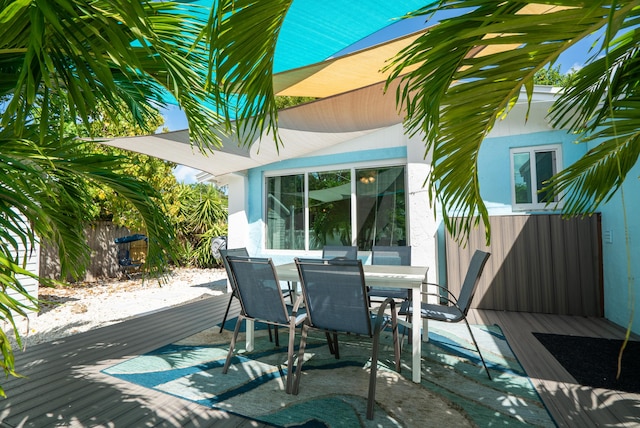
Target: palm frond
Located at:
point(243, 36)
point(470, 71)
point(103, 52)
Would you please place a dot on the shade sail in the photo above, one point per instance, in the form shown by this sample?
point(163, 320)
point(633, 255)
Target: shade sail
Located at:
point(341, 74)
point(355, 104)
point(303, 130)
point(363, 67)
point(315, 30)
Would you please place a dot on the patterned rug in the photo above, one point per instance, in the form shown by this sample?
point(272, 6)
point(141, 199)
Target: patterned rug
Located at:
point(455, 390)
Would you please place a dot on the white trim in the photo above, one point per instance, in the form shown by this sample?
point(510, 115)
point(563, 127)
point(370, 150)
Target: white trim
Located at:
point(385, 163)
point(532, 150)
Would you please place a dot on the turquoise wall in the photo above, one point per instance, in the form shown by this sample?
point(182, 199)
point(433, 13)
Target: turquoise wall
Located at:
point(621, 258)
point(495, 181)
point(494, 164)
point(619, 261)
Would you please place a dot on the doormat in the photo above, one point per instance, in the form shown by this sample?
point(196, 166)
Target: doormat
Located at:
point(593, 361)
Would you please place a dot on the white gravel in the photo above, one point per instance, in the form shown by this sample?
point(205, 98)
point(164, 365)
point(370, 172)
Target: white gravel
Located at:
point(88, 305)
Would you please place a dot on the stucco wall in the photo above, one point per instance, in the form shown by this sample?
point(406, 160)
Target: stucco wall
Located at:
point(620, 256)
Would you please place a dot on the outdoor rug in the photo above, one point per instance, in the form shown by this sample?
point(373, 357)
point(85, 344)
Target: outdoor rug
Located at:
point(455, 390)
point(594, 361)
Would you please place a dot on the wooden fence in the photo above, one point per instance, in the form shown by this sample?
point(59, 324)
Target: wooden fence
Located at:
point(538, 263)
point(104, 261)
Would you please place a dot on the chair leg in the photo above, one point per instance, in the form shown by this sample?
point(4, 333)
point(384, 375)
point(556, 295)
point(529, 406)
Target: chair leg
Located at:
point(335, 346)
point(290, 350)
point(275, 329)
point(477, 348)
point(226, 313)
point(329, 342)
point(232, 345)
point(303, 344)
point(396, 342)
point(404, 330)
point(291, 293)
point(371, 398)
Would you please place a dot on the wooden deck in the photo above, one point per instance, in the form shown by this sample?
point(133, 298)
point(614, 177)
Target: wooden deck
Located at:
point(64, 386)
point(570, 404)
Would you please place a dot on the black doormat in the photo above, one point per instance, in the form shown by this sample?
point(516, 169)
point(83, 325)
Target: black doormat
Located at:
point(594, 361)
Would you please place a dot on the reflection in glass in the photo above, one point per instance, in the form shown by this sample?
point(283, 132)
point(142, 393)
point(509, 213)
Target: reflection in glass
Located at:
point(285, 212)
point(522, 178)
point(380, 201)
point(329, 208)
point(545, 169)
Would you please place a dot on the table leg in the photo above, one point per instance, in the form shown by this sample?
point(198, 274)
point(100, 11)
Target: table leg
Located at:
point(416, 347)
point(249, 324)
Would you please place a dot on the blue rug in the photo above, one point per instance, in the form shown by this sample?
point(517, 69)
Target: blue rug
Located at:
point(455, 390)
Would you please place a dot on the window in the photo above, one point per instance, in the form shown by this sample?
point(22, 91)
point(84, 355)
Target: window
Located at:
point(339, 207)
point(531, 168)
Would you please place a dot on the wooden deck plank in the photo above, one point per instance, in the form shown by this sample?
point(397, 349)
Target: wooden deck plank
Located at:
point(570, 404)
point(65, 387)
point(139, 335)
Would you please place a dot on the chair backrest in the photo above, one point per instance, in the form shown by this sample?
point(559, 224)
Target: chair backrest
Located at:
point(386, 255)
point(344, 251)
point(242, 252)
point(335, 295)
point(259, 289)
point(468, 290)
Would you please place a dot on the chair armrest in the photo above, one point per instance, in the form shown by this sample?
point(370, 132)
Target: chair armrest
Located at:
point(380, 315)
point(296, 306)
point(449, 298)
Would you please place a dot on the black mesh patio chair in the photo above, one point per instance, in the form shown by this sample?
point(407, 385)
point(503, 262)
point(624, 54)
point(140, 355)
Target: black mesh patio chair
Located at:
point(261, 299)
point(335, 297)
point(386, 255)
point(456, 309)
point(242, 252)
point(234, 294)
point(343, 251)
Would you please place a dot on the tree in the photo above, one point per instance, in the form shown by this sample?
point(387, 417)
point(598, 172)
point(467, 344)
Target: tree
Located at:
point(286, 101)
point(92, 56)
point(552, 76)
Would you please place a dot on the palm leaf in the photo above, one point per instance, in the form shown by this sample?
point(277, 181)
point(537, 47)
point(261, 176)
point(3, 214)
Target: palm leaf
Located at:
point(243, 36)
point(101, 52)
point(471, 70)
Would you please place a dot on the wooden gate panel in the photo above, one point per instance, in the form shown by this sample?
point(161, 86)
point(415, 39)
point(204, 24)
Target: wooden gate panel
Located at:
point(538, 263)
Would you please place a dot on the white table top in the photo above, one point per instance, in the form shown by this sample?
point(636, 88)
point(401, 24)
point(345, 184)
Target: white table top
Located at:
point(387, 275)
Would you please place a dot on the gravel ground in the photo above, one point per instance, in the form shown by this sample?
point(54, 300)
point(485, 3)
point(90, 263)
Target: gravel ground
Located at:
point(88, 305)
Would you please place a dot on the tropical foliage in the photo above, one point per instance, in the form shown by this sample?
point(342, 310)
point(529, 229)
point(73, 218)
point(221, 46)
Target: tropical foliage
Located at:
point(202, 217)
point(517, 39)
point(552, 76)
point(93, 56)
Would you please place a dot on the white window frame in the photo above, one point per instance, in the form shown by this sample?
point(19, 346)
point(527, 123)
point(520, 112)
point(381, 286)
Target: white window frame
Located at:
point(325, 168)
point(532, 150)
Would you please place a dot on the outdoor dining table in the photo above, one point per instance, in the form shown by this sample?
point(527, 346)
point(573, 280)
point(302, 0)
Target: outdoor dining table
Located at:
point(388, 276)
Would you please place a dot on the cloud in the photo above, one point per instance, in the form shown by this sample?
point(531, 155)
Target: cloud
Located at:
point(575, 67)
point(185, 174)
